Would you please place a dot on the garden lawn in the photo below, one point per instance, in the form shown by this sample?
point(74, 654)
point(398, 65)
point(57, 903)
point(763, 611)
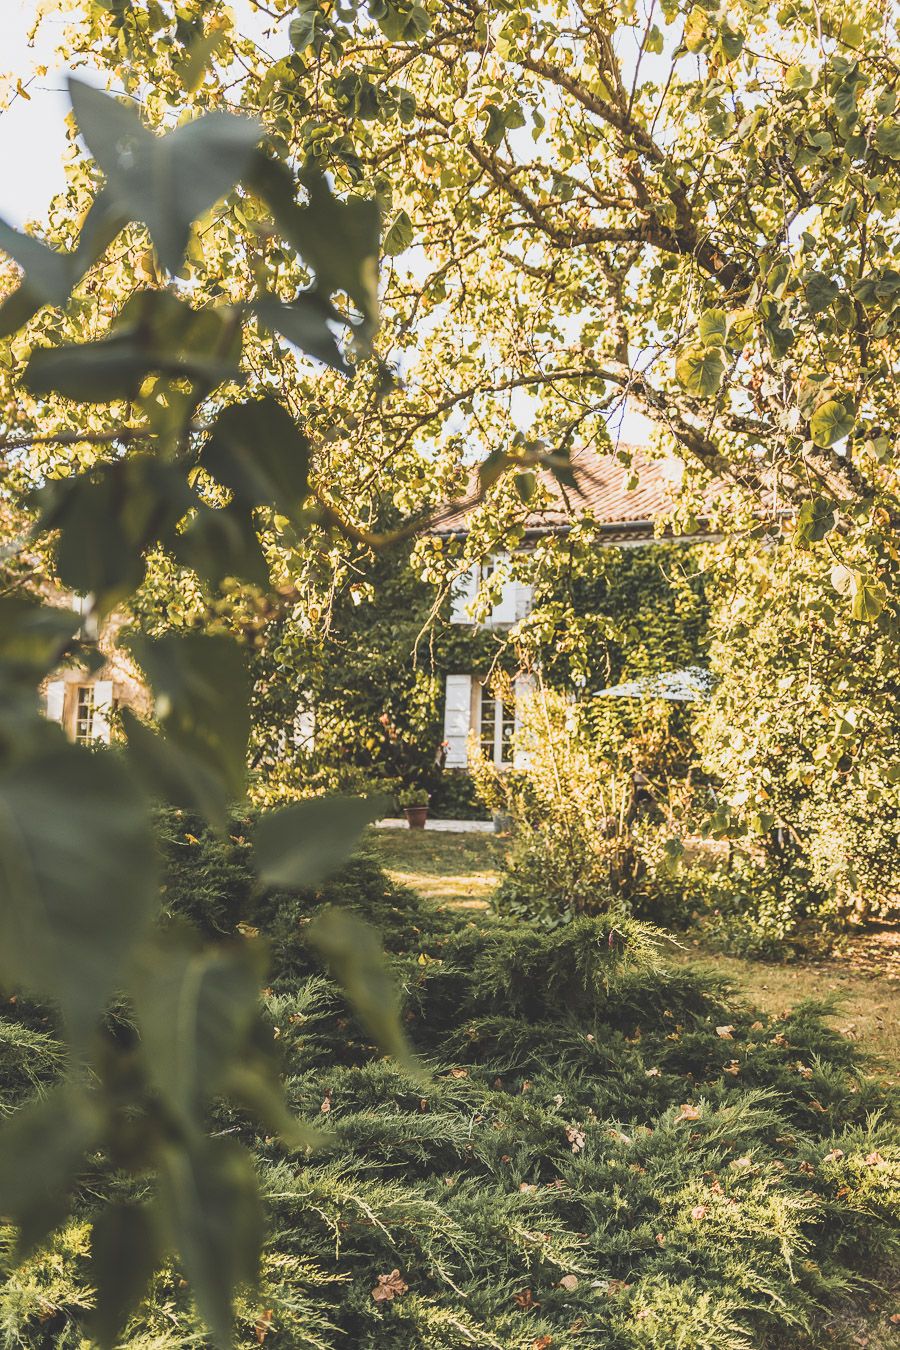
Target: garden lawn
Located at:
point(459, 870)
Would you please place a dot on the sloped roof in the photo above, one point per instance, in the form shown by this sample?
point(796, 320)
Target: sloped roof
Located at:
point(602, 492)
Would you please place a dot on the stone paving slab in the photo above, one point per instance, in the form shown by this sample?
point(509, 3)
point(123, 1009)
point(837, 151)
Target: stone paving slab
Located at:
point(448, 826)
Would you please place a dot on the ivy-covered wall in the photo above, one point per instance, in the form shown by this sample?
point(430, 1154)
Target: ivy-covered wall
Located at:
point(376, 672)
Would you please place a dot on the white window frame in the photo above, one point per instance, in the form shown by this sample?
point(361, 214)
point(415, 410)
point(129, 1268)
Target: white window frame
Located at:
point(504, 717)
point(85, 699)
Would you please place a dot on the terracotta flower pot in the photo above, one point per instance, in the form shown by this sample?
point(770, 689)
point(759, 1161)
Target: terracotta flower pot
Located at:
point(416, 816)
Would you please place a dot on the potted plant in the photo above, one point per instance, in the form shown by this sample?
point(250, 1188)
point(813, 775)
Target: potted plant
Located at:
point(415, 808)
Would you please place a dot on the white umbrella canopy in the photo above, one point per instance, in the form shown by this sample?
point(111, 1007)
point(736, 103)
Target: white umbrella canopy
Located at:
point(678, 686)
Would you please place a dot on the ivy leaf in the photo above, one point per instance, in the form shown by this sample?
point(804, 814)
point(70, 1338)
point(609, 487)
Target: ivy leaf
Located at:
point(399, 234)
point(831, 422)
point(201, 689)
point(815, 519)
point(212, 1213)
point(168, 181)
point(700, 370)
point(42, 1150)
point(304, 322)
point(887, 138)
point(196, 1005)
point(868, 598)
point(301, 844)
point(256, 450)
point(712, 327)
point(78, 877)
point(820, 292)
point(125, 1251)
point(353, 952)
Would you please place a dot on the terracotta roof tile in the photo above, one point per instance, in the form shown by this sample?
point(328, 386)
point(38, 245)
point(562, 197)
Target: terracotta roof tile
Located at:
point(603, 492)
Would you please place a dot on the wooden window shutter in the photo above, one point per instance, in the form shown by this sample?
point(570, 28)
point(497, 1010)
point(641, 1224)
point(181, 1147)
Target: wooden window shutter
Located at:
point(457, 719)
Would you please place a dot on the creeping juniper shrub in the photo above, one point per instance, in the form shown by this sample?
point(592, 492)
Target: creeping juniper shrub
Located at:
point(608, 1153)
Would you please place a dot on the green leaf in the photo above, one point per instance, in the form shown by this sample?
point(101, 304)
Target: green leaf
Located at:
point(699, 29)
point(196, 1005)
point(887, 138)
point(222, 544)
point(156, 331)
point(42, 1150)
point(339, 239)
point(831, 422)
point(798, 77)
point(125, 1251)
point(353, 952)
point(256, 450)
point(78, 879)
point(107, 519)
point(33, 637)
point(168, 181)
point(18, 309)
point(48, 274)
point(304, 322)
point(820, 291)
point(868, 598)
point(301, 844)
point(815, 519)
point(201, 690)
point(212, 1212)
point(174, 775)
point(302, 28)
point(399, 234)
point(712, 327)
point(199, 57)
point(103, 222)
point(700, 370)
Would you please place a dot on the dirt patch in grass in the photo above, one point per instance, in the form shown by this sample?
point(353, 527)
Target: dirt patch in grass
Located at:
point(454, 870)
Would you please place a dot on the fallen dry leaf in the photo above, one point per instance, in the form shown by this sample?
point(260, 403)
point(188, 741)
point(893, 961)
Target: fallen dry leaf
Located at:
point(525, 1299)
point(263, 1325)
point(575, 1138)
point(687, 1112)
point(542, 1343)
point(698, 1213)
point(389, 1287)
point(725, 1033)
point(569, 1282)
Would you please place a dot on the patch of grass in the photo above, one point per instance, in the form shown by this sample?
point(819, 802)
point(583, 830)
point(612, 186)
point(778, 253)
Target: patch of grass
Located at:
point(455, 870)
point(869, 1006)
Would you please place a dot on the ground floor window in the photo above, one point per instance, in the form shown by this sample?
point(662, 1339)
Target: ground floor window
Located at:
point(84, 714)
point(498, 725)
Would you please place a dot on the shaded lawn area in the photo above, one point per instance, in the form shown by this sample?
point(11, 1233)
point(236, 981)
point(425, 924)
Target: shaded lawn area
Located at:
point(460, 871)
point(456, 870)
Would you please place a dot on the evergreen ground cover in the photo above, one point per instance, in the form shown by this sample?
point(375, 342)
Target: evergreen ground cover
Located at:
point(609, 1151)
